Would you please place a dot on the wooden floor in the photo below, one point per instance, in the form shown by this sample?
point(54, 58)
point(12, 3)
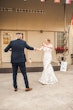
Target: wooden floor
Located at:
point(30, 67)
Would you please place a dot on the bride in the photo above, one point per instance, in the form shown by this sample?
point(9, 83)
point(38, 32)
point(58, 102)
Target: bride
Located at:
point(48, 76)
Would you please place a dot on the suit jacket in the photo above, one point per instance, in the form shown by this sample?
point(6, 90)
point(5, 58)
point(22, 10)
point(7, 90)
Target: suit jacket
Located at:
point(17, 50)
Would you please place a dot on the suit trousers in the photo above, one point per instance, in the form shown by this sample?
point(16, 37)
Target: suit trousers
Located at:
point(22, 67)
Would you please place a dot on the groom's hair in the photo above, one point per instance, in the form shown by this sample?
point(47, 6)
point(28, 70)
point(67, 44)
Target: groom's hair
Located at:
point(20, 35)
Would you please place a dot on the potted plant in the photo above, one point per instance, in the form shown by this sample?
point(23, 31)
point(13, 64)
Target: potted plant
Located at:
point(61, 49)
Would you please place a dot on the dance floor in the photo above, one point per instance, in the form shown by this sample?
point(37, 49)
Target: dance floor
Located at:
point(31, 67)
point(57, 96)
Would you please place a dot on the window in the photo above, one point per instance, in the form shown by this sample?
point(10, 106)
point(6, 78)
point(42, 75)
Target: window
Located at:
point(60, 39)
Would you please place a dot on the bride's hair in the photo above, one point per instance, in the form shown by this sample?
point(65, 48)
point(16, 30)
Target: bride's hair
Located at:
point(48, 40)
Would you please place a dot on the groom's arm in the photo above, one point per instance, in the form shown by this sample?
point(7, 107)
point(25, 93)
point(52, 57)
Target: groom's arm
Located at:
point(29, 47)
point(8, 47)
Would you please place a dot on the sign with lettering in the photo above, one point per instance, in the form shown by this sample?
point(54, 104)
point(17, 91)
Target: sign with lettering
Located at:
point(63, 66)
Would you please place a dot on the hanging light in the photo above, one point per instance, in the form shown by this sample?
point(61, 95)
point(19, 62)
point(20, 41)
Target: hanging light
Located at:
point(68, 1)
point(56, 1)
point(43, 0)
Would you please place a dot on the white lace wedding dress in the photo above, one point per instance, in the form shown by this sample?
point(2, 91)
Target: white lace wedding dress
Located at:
point(48, 76)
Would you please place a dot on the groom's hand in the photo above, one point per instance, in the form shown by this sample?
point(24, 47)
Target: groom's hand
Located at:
point(35, 49)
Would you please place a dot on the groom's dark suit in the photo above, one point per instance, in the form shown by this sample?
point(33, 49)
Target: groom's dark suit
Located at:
point(18, 59)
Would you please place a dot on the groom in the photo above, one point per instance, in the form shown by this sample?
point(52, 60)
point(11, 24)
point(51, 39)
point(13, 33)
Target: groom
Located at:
point(18, 59)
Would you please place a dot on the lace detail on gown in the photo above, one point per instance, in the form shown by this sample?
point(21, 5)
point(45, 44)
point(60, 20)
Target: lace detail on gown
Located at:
point(48, 76)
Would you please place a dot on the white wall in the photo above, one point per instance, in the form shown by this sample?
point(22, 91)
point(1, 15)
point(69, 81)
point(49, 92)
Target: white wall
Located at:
point(6, 57)
point(36, 39)
point(52, 20)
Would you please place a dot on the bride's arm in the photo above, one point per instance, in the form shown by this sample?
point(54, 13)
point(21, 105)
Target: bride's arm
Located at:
point(39, 49)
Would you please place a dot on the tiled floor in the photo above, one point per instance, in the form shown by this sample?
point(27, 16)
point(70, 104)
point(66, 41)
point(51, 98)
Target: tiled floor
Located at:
point(58, 96)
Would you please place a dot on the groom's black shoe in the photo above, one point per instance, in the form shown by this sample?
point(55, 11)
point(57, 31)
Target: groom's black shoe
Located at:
point(15, 89)
point(28, 89)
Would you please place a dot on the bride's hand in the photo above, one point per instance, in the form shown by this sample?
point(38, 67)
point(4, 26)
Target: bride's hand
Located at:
point(43, 44)
point(36, 49)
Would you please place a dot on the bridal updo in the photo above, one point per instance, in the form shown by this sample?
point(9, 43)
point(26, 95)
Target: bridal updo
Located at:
point(48, 40)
